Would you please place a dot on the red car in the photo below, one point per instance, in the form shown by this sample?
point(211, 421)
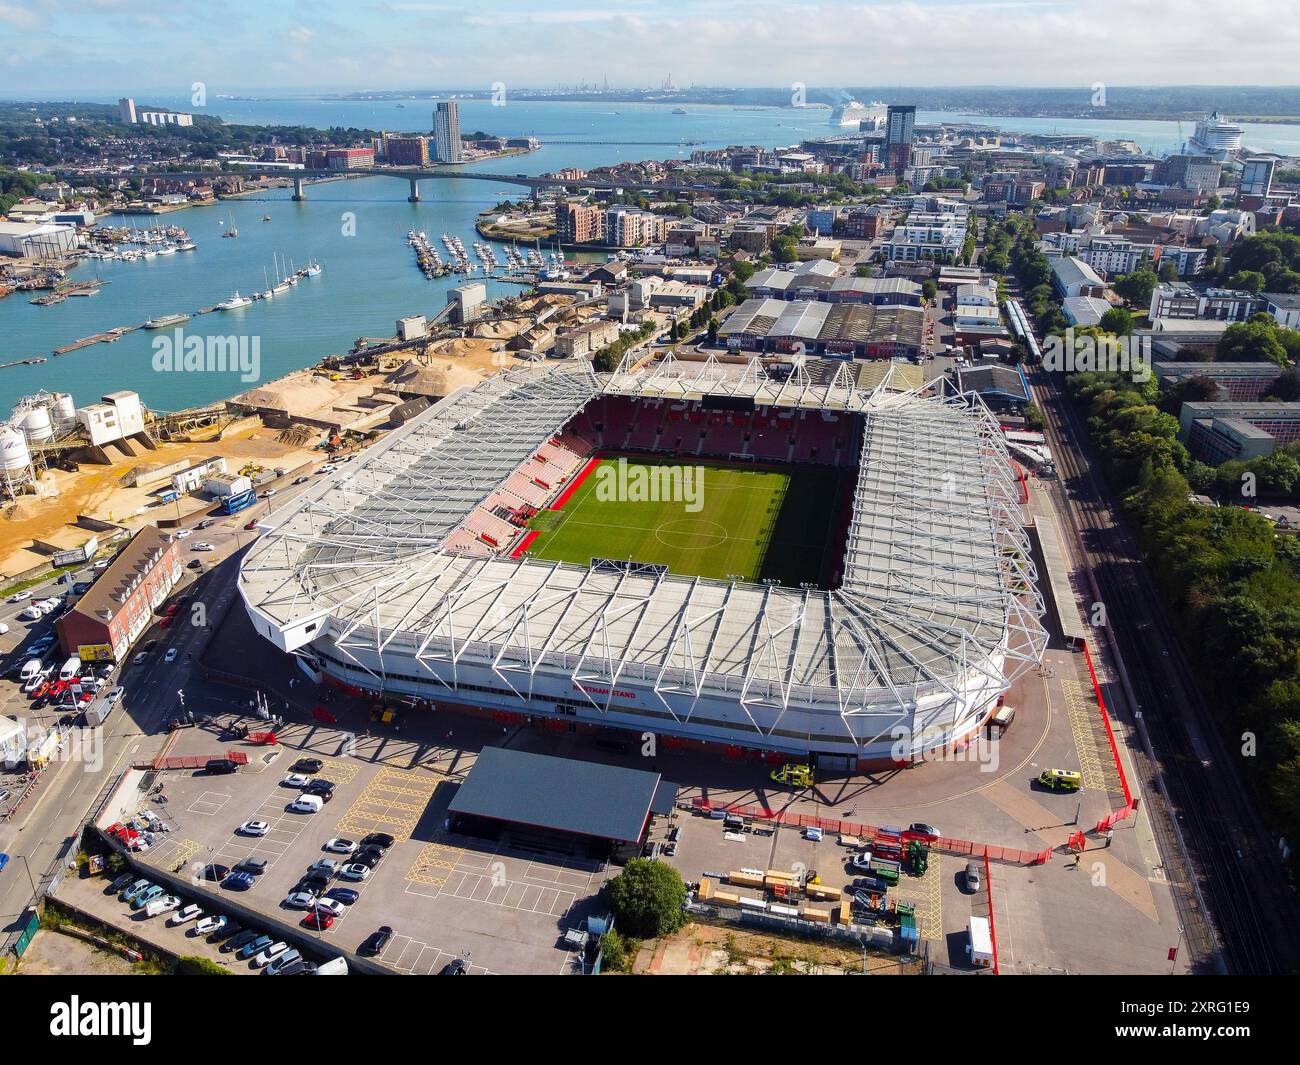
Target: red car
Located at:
point(41, 690)
point(166, 622)
point(57, 688)
point(252, 524)
point(171, 610)
point(318, 920)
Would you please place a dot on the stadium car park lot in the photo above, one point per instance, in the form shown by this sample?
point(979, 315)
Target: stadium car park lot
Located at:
point(442, 895)
point(446, 895)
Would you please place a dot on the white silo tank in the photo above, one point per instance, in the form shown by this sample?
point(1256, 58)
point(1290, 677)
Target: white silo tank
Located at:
point(65, 411)
point(14, 455)
point(37, 426)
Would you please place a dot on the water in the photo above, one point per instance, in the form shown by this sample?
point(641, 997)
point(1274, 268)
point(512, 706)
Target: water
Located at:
point(370, 279)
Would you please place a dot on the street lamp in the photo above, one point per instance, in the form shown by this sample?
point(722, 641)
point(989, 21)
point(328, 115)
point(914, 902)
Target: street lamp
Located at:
point(4, 860)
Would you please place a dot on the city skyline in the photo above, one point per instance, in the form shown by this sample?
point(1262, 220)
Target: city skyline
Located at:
point(336, 46)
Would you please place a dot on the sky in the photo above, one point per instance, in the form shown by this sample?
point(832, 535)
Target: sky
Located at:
point(236, 46)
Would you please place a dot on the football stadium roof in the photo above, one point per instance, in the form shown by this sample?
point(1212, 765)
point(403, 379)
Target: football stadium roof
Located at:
point(938, 594)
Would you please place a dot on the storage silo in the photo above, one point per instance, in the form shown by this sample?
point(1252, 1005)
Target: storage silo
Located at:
point(37, 425)
point(65, 412)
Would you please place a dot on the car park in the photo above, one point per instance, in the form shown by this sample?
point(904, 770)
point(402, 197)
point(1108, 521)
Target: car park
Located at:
point(190, 913)
point(255, 945)
point(354, 872)
point(376, 941)
point(268, 954)
point(239, 881)
point(253, 828)
point(339, 845)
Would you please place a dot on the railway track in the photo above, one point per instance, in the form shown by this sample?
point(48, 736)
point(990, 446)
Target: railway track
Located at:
point(1235, 904)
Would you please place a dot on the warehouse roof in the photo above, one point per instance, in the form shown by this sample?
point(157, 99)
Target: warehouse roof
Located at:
point(561, 794)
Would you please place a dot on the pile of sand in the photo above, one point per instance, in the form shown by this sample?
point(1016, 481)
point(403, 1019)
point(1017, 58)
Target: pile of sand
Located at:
point(300, 393)
point(19, 510)
point(440, 378)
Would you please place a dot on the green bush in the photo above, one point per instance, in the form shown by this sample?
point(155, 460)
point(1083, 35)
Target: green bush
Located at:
point(647, 898)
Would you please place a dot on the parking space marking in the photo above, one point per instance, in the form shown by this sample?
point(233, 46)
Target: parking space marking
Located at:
point(422, 959)
point(1090, 740)
point(925, 894)
point(508, 894)
point(185, 850)
point(209, 803)
point(433, 864)
point(339, 770)
point(382, 805)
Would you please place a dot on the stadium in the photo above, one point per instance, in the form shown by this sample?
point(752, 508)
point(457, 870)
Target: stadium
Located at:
point(745, 553)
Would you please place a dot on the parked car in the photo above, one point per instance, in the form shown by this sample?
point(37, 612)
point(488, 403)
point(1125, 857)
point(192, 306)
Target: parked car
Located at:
point(20, 597)
point(120, 884)
point(192, 912)
point(297, 967)
point(203, 545)
point(318, 921)
point(181, 534)
point(278, 965)
point(455, 967)
point(307, 804)
point(215, 872)
point(328, 866)
point(269, 954)
point(367, 858)
point(253, 828)
point(323, 788)
point(255, 945)
point(344, 895)
point(240, 940)
point(920, 828)
point(238, 881)
point(228, 931)
point(306, 765)
point(300, 900)
point(255, 866)
point(154, 891)
point(131, 892)
point(162, 905)
point(206, 523)
point(339, 845)
point(295, 780)
point(354, 872)
point(971, 878)
point(377, 839)
point(209, 925)
point(331, 906)
point(376, 941)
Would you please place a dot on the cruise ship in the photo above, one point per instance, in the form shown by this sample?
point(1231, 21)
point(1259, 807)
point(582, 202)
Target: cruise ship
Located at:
point(1216, 136)
point(852, 113)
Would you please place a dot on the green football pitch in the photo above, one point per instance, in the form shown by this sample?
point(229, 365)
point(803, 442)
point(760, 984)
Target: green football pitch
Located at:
point(698, 519)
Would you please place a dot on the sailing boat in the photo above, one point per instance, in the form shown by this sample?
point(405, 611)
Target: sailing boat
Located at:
point(283, 284)
point(266, 293)
point(232, 231)
point(313, 268)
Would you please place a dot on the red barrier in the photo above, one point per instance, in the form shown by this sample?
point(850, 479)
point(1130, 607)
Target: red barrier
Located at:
point(993, 932)
point(1115, 816)
point(524, 544)
point(1105, 718)
point(567, 494)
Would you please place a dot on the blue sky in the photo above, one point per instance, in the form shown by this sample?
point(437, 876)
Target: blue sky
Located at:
point(234, 46)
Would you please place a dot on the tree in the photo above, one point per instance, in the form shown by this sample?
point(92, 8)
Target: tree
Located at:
point(1118, 320)
point(1169, 271)
point(1285, 388)
point(1255, 340)
point(647, 899)
point(929, 290)
point(1248, 280)
point(1138, 286)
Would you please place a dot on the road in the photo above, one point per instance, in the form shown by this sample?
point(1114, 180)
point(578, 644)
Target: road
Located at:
point(1234, 869)
point(137, 730)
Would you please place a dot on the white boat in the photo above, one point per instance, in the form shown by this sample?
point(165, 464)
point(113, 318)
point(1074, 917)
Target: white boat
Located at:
point(234, 302)
point(313, 268)
point(166, 320)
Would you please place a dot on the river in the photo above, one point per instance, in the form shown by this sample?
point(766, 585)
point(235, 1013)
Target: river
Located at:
point(357, 230)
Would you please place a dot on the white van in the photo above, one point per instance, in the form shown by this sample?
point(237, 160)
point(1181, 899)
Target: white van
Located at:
point(307, 804)
point(333, 967)
point(31, 668)
point(981, 943)
point(71, 668)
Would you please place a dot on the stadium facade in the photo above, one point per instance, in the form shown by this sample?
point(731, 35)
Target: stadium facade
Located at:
point(402, 573)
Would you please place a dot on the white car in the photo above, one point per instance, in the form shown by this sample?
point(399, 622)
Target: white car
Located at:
point(295, 780)
point(354, 872)
point(171, 654)
point(253, 828)
point(49, 604)
point(181, 534)
point(210, 924)
point(203, 545)
point(20, 597)
point(3, 628)
point(300, 900)
point(331, 906)
point(190, 913)
point(101, 564)
point(269, 493)
point(338, 845)
point(162, 905)
point(324, 865)
point(270, 954)
point(279, 963)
